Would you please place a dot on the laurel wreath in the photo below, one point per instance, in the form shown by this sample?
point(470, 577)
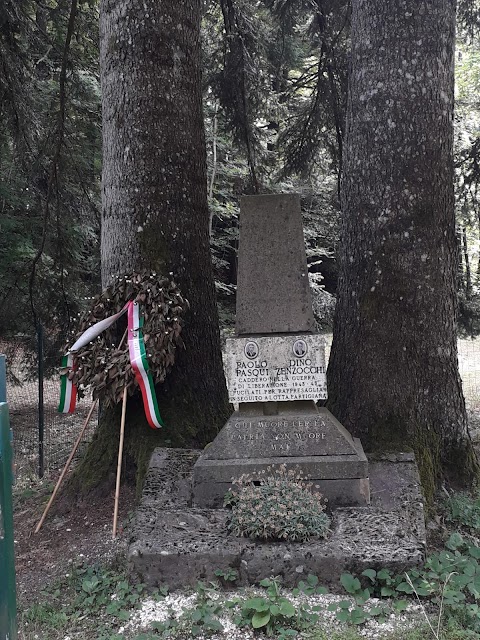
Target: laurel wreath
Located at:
point(104, 364)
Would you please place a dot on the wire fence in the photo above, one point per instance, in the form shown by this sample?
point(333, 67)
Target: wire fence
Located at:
point(43, 438)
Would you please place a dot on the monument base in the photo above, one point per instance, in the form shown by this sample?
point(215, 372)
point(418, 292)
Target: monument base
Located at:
point(300, 436)
point(176, 544)
point(213, 478)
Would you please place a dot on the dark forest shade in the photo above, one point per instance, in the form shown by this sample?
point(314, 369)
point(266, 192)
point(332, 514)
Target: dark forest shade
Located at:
point(393, 375)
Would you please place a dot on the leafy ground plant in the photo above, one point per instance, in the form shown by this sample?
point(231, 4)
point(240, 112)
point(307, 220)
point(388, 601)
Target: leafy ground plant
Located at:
point(464, 509)
point(101, 596)
point(274, 613)
point(449, 581)
point(203, 619)
point(277, 505)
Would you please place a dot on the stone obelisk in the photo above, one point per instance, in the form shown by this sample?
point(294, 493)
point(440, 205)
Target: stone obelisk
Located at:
point(275, 369)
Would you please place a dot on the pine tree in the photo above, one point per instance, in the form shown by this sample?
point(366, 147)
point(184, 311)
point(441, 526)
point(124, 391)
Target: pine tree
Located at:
point(393, 375)
point(155, 213)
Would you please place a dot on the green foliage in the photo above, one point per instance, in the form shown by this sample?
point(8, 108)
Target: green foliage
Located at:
point(449, 579)
point(201, 620)
point(204, 616)
point(49, 166)
point(447, 586)
point(275, 85)
point(45, 614)
point(280, 507)
point(273, 613)
point(228, 575)
point(464, 509)
point(310, 587)
point(104, 596)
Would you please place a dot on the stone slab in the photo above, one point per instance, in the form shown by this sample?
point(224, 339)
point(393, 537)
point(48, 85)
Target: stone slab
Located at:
point(338, 493)
point(175, 544)
point(273, 292)
point(288, 434)
point(276, 368)
point(327, 468)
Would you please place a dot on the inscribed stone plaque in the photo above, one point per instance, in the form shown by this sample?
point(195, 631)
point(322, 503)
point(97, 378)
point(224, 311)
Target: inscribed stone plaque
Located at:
point(273, 293)
point(276, 368)
point(316, 433)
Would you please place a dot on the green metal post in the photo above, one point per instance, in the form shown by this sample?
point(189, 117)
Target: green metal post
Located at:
point(3, 380)
point(8, 606)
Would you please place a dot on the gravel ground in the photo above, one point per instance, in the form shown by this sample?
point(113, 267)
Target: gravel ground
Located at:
point(153, 611)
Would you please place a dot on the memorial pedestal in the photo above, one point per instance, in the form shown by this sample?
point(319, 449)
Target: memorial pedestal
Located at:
point(301, 437)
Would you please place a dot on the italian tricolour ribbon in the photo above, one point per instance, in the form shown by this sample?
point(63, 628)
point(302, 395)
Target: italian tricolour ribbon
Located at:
point(68, 391)
point(138, 360)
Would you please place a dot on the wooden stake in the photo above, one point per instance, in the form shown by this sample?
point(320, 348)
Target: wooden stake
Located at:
point(119, 463)
point(74, 450)
point(67, 465)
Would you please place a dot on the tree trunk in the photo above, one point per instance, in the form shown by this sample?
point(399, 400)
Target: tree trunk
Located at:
point(393, 375)
point(155, 214)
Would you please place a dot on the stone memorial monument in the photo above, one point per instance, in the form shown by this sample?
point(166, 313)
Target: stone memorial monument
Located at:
point(275, 368)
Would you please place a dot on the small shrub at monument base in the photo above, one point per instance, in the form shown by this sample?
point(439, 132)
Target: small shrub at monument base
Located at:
point(276, 505)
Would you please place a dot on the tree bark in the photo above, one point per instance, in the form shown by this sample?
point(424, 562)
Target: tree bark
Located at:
point(155, 213)
point(393, 375)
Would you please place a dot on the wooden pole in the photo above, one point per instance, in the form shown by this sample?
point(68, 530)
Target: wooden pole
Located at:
point(119, 463)
point(70, 457)
point(67, 465)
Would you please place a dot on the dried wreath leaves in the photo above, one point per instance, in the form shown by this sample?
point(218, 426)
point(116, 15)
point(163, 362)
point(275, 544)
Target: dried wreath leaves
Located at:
point(104, 364)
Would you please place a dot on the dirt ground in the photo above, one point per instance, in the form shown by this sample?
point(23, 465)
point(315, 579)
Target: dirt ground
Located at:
point(81, 535)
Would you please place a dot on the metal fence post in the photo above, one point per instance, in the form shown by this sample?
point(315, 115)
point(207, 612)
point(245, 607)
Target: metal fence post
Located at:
point(41, 408)
point(8, 606)
point(3, 379)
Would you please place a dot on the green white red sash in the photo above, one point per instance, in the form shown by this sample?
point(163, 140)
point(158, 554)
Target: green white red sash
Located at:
point(138, 360)
point(68, 391)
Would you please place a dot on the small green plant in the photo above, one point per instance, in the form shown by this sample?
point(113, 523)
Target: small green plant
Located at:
point(273, 613)
point(310, 586)
point(449, 579)
point(464, 509)
point(281, 506)
point(44, 613)
point(88, 595)
point(227, 575)
point(202, 619)
point(100, 589)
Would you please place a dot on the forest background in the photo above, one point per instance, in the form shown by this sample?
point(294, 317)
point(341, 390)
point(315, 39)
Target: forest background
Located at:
point(274, 87)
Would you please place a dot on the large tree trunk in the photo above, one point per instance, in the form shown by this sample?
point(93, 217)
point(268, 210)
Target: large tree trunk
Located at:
point(393, 375)
point(155, 213)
